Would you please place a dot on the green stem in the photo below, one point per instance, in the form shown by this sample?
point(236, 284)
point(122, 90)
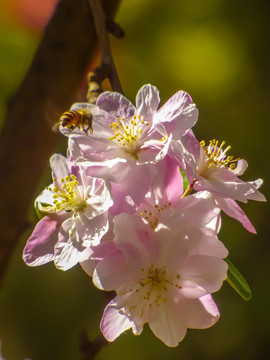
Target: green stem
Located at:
point(187, 191)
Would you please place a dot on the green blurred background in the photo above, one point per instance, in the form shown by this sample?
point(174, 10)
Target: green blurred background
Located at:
point(218, 51)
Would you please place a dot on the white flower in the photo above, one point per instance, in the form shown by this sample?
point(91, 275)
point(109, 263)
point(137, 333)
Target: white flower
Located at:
point(76, 206)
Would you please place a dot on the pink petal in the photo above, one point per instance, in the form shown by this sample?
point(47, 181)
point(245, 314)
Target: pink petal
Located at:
point(192, 144)
point(113, 323)
point(96, 150)
point(115, 170)
point(112, 272)
point(129, 194)
point(205, 271)
point(169, 323)
point(232, 209)
point(191, 290)
point(168, 183)
point(168, 247)
point(178, 114)
point(224, 183)
point(208, 245)
point(197, 210)
point(132, 236)
point(202, 312)
point(93, 255)
point(116, 104)
point(39, 248)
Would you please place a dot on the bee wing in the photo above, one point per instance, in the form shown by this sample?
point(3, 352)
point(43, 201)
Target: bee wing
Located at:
point(55, 127)
point(84, 106)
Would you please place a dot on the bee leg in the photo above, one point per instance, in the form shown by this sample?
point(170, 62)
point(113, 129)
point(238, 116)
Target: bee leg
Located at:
point(90, 127)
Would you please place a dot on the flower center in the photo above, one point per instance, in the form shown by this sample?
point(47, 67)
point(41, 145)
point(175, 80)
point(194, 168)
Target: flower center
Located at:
point(151, 290)
point(216, 155)
point(152, 217)
point(128, 133)
point(67, 197)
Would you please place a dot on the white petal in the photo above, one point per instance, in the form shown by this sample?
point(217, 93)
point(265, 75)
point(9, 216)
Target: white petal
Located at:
point(91, 231)
point(60, 166)
point(44, 201)
point(68, 250)
point(147, 101)
point(66, 255)
point(240, 167)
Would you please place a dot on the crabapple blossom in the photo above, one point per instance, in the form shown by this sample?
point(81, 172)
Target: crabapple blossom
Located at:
point(208, 167)
point(76, 208)
point(128, 140)
point(161, 277)
point(120, 207)
point(164, 200)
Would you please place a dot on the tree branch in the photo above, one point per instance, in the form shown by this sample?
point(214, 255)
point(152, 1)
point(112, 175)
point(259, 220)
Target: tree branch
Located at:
point(49, 87)
point(106, 54)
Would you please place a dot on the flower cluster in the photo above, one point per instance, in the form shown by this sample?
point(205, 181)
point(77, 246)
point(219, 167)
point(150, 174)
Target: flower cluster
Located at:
point(119, 205)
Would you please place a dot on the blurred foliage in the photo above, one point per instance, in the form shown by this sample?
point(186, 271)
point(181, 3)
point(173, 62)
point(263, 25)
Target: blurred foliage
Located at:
point(218, 51)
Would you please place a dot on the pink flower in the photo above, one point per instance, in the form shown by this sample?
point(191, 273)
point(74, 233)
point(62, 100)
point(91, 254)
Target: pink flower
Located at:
point(127, 141)
point(164, 203)
point(76, 208)
point(210, 168)
point(162, 276)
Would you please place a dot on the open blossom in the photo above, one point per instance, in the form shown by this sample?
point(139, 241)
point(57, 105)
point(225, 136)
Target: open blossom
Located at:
point(208, 167)
point(162, 277)
point(128, 140)
point(76, 208)
point(164, 200)
point(119, 205)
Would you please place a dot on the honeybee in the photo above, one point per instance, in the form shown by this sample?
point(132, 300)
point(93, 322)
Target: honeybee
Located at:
point(81, 119)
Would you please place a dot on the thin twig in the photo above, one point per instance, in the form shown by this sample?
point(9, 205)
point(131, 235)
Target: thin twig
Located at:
point(114, 29)
point(89, 349)
point(106, 54)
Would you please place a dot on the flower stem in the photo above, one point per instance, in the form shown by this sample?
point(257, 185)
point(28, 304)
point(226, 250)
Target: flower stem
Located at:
point(187, 191)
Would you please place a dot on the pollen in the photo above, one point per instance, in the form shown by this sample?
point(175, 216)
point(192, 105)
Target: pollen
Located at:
point(155, 285)
point(152, 217)
point(67, 196)
point(217, 155)
point(127, 133)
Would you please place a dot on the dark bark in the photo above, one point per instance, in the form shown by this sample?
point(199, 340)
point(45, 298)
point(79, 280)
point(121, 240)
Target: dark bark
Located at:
point(49, 88)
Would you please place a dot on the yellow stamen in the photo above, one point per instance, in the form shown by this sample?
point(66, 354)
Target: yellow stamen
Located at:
point(216, 155)
point(67, 197)
point(153, 217)
point(127, 133)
